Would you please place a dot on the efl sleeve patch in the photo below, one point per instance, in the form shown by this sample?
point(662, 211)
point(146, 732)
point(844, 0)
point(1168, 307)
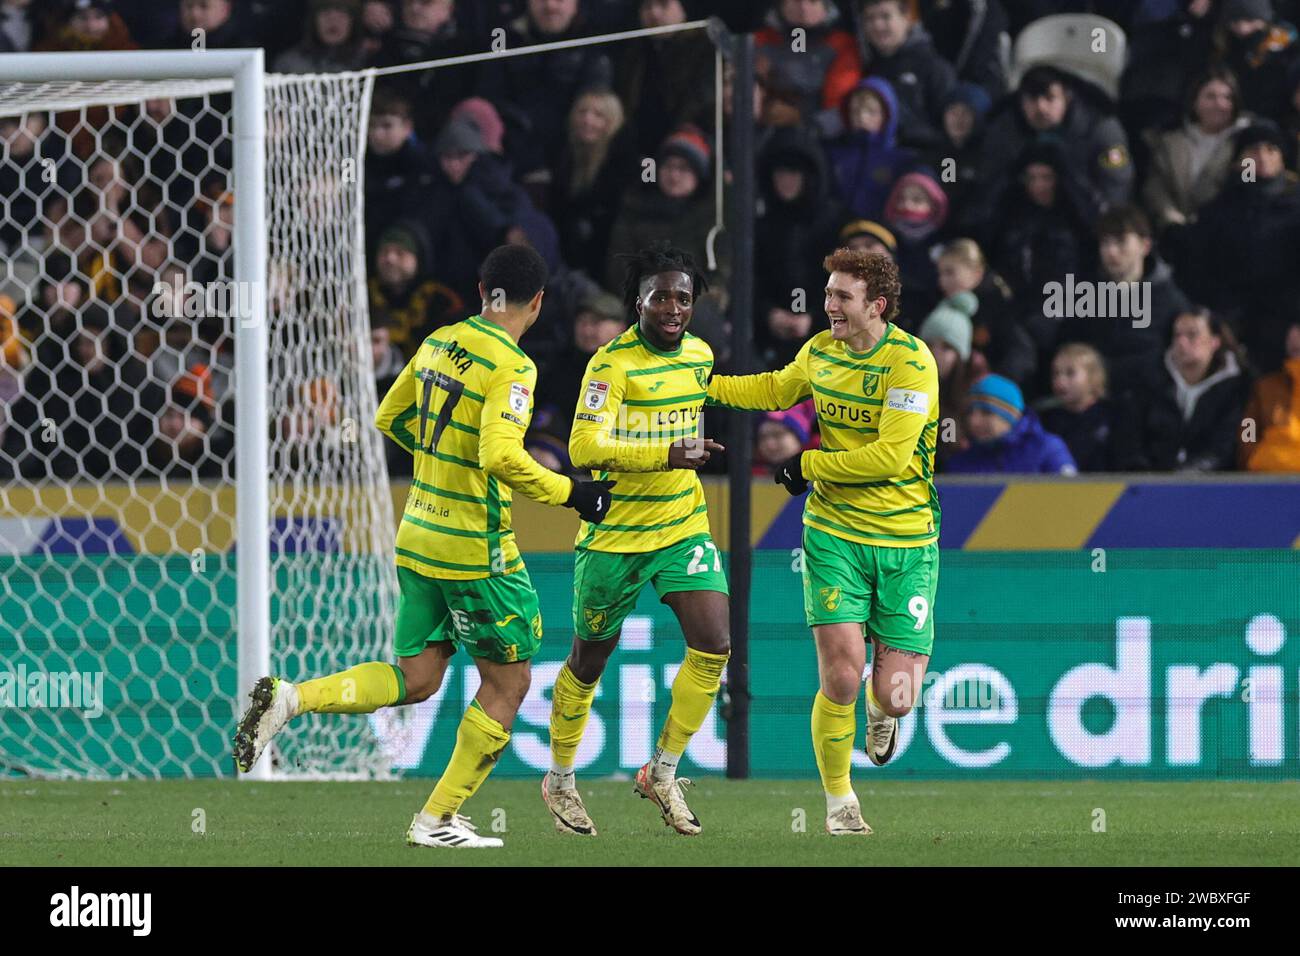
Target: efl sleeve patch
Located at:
point(595, 396)
point(519, 396)
point(908, 400)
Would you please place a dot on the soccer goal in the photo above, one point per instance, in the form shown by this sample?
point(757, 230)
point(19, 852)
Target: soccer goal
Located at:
point(191, 492)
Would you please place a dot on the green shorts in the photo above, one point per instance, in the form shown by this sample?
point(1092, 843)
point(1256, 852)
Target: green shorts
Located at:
point(496, 618)
point(891, 590)
point(606, 585)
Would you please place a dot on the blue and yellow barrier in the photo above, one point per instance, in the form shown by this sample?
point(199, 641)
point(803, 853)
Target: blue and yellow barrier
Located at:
point(978, 515)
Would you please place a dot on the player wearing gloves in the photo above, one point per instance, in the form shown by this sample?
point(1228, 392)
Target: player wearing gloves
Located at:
point(871, 523)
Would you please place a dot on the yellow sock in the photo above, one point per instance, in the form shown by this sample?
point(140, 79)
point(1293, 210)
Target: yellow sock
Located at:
point(833, 728)
point(694, 689)
point(358, 690)
point(479, 743)
point(570, 705)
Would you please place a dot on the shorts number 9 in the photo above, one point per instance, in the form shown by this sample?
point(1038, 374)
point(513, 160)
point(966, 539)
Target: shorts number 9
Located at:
point(919, 608)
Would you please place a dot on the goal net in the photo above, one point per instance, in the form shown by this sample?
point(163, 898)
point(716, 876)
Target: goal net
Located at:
point(119, 312)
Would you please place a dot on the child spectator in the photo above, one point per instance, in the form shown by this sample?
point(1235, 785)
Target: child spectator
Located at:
point(863, 235)
point(1079, 410)
point(948, 331)
point(915, 211)
point(1007, 438)
point(1274, 408)
point(1184, 415)
point(398, 167)
point(866, 159)
point(999, 342)
point(782, 435)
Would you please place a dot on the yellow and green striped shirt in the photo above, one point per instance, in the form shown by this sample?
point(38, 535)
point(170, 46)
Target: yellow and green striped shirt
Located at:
point(461, 407)
point(636, 401)
point(878, 413)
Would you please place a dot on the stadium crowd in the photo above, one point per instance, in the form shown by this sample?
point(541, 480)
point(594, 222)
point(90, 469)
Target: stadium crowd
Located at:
point(900, 126)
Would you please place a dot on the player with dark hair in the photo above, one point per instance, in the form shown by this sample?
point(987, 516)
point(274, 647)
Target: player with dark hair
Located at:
point(871, 524)
point(638, 423)
point(461, 407)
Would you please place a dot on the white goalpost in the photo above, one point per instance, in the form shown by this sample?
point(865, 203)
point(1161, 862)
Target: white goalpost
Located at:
point(239, 381)
point(192, 493)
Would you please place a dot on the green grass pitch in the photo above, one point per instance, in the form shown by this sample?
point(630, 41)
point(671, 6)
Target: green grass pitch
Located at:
point(747, 823)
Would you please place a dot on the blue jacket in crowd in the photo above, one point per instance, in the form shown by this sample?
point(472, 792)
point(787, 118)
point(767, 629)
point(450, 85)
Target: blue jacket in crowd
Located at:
point(1026, 449)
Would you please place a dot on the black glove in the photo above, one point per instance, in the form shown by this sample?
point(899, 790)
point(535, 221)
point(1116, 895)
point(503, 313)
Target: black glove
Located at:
point(789, 473)
point(590, 499)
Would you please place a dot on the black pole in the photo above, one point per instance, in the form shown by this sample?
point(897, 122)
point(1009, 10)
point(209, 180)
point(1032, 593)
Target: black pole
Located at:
point(740, 440)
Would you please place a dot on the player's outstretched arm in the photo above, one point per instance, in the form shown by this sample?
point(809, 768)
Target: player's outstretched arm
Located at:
point(904, 416)
point(766, 391)
point(507, 410)
point(398, 409)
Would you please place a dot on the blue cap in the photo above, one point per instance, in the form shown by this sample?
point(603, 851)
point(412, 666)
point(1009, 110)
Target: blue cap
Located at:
point(999, 395)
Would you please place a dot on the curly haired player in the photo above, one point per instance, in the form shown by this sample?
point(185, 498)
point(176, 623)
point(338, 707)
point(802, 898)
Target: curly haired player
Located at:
point(638, 422)
point(871, 523)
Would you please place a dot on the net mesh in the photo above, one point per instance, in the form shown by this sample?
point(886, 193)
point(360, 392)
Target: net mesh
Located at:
point(118, 312)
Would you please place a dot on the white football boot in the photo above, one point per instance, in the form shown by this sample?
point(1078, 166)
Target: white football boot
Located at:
point(882, 737)
point(275, 702)
point(453, 832)
point(847, 821)
point(566, 807)
point(667, 795)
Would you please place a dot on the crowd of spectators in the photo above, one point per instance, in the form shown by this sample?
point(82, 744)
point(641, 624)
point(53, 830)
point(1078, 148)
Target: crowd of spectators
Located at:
point(905, 127)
